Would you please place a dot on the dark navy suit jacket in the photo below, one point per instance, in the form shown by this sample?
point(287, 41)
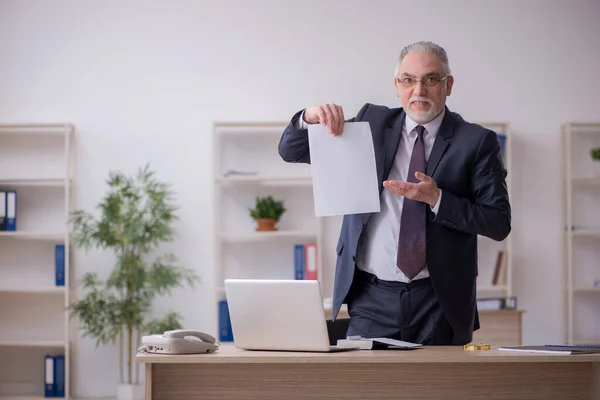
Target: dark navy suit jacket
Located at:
point(466, 164)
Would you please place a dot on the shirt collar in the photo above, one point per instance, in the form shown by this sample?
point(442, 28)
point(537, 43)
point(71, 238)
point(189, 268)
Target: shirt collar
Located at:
point(431, 127)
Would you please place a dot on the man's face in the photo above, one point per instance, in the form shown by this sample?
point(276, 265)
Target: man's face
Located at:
point(423, 100)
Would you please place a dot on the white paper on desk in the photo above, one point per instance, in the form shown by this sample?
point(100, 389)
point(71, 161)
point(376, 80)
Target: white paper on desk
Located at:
point(343, 169)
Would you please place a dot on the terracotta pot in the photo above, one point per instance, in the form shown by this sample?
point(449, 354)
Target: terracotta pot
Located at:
point(266, 224)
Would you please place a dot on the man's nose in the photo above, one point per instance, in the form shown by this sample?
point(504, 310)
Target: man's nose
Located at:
point(419, 89)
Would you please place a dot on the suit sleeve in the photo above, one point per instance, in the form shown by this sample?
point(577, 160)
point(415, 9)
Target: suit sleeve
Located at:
point(488, 213)
point(293, 145)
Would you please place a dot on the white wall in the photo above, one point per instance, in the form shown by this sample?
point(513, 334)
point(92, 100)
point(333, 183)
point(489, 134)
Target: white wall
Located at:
point(144, 80)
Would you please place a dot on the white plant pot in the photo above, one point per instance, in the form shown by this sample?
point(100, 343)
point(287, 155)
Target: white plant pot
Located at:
point(126, 391)
point(597, 168)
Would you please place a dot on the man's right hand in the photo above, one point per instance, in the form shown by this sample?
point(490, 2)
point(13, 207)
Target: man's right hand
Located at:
point(329, 115)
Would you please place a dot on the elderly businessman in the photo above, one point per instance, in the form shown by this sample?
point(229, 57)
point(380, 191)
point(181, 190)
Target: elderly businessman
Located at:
point(409, 271)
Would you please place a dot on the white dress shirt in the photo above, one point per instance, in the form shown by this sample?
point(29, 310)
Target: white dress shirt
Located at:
point(378, 247)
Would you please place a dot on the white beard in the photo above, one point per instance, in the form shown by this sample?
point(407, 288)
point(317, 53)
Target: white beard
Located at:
point(423, 117)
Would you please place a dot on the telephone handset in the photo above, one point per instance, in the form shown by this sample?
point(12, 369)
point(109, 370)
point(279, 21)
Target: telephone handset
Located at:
point(181, 333)
point(179, 341)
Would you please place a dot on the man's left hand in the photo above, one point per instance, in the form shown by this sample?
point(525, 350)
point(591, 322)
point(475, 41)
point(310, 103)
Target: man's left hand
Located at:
point(426, 190)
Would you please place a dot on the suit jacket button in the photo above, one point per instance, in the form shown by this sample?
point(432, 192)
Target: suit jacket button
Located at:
point(362, 226)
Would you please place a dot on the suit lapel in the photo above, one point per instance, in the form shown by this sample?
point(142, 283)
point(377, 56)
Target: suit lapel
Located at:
point(441, 143)
point(385, 153)
point(391, 141)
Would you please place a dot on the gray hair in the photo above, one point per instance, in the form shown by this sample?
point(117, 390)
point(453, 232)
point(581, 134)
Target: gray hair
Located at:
point(426, 47)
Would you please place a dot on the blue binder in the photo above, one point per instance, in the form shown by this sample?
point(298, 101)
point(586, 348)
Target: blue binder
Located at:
point(299, 261)
point(225, 331)
point(502, 140)
point(49, 386)
point(59, 264)
point(59, 375)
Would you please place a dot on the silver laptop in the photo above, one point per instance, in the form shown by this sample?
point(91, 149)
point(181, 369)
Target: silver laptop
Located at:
point(284, 315)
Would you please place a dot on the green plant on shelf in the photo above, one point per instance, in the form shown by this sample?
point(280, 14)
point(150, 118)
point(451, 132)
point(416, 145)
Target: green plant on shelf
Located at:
point(267, 212)
point(267, 207)
point(595, 153)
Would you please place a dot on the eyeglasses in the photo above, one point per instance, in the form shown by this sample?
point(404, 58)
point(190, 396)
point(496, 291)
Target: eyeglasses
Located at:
point(430, 81)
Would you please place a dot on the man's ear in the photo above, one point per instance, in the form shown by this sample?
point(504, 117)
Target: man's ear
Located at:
point(397, 87)
point(449, 84)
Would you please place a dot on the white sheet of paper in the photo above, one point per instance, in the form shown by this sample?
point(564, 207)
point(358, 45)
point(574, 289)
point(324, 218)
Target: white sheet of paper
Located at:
point(343, 170)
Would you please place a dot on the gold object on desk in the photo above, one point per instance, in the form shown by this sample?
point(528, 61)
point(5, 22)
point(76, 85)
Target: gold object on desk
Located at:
point(475, 347)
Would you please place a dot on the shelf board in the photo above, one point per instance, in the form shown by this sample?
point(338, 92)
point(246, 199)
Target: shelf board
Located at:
point(33, 290)
point(593, 125)
point(591, 289)
point(587, 181)
point(593, 232)
point(22, 397)
point(32, 343)
point(44, 129)
point(34, 182)
point(33, 235)
point(258, 236)
point(250, 129)
point(268, 180)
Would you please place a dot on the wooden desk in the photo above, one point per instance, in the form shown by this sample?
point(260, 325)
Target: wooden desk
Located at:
point(429, 373)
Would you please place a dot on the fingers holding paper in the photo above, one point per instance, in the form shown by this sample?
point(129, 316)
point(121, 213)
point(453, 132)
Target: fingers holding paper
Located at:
point(329, 115)
point(425, 190)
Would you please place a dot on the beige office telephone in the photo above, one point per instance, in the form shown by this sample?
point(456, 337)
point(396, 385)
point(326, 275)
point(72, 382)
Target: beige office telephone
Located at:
point(180, 341)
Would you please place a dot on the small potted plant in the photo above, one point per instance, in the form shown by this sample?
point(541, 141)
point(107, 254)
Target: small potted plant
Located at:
point(266, 213)
point(595, 153)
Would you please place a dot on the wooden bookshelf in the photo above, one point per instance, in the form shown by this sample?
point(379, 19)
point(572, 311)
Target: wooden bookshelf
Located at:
point(36, 160)
point(246, 165)
point(582, 232)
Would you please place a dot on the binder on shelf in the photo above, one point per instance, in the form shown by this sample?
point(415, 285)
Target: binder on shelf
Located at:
point(502, 141)
point(299, 261)
point(49, 386)
point(11, 210)
point(59, 375)
point(2, 210)
point(499, 277)
point(59, 264)
point(311, 261)
point(225, 331)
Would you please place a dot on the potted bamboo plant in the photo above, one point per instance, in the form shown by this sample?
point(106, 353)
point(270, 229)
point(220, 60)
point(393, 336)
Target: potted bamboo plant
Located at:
point(135, 218)
point(595, 153)
point(267, 213)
